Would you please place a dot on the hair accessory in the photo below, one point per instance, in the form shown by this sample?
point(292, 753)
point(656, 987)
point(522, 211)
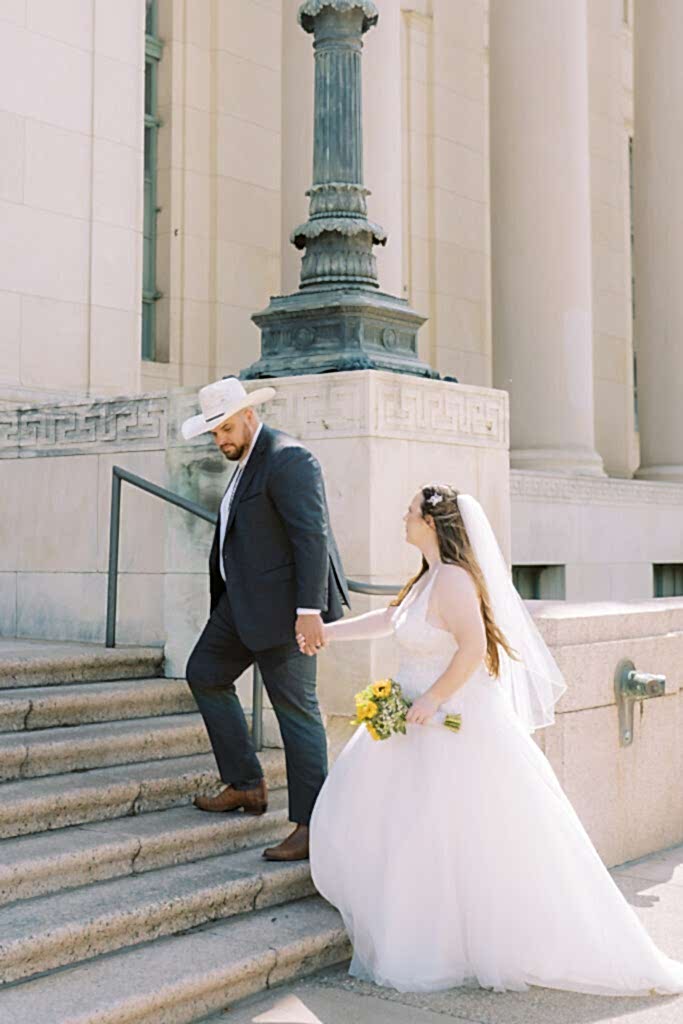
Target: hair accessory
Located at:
point(435, 499)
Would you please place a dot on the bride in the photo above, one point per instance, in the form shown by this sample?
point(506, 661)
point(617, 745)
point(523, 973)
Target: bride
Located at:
point(456, 858)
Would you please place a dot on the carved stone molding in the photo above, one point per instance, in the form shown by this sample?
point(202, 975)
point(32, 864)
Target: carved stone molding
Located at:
point(377, 403)
point(83, 428)
point(440, 411)
point(312, 8)
point(544, 487)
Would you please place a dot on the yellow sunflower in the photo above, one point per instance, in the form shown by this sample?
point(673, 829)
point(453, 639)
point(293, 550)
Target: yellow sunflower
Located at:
point(382, 688)
point(367, 709)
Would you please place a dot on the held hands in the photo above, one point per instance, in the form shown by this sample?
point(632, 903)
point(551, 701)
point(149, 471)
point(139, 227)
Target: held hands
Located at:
point(423, 709)
point(310, 634)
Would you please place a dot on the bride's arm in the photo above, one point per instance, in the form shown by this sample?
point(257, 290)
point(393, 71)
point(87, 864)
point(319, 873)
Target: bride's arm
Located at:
point(361, 627)
point(457, 602)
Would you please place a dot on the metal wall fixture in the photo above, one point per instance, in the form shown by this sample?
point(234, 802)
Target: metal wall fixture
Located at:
point(631, 686)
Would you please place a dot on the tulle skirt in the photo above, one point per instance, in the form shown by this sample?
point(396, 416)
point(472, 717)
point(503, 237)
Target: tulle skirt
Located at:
point(456, 859)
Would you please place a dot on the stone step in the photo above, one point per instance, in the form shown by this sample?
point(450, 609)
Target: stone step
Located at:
point(180, 979)
point(41, 804)
point(47, 707)
point(52, 662)
point(54, 751)
point(51, 862)
point(42, 934)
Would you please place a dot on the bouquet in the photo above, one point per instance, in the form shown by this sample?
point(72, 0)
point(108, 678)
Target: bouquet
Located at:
point(382, 708)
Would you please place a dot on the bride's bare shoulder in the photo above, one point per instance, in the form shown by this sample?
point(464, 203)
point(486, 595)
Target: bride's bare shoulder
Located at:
point(453, 575)
point(454, 580)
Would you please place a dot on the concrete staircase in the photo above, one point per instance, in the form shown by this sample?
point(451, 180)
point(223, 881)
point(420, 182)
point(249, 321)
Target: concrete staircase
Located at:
point(120, 903)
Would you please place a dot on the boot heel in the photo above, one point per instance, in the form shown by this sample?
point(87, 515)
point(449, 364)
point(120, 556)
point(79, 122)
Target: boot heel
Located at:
point(256, 809)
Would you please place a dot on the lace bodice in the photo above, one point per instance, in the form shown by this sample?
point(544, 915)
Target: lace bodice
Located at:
point(425, 651)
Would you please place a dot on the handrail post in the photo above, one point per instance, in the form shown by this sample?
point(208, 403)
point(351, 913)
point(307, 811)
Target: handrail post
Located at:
point(257, 710)
point(112, 581)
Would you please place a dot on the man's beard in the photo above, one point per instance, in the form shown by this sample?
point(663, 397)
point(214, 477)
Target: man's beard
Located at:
point(236, 455)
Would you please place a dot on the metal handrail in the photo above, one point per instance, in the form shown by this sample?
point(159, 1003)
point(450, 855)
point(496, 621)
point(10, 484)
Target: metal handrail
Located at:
point(120, 475)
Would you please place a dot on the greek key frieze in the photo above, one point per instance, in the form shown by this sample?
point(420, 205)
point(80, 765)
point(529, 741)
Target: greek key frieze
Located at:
point(375, 402)
point(440, 411)
point(60, 429)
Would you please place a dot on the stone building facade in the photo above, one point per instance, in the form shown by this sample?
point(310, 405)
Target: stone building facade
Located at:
point(522, 156)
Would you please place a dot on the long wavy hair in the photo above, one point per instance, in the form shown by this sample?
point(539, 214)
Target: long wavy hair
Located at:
point(455, 549)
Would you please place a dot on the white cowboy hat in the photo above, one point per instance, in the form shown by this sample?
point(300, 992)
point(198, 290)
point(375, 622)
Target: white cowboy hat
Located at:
point(221, 400)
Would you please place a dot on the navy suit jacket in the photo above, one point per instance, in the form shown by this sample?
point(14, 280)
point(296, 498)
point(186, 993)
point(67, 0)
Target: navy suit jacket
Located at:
point(279, 552)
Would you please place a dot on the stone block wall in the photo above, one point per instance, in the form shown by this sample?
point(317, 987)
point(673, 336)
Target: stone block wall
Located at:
point(630, 799)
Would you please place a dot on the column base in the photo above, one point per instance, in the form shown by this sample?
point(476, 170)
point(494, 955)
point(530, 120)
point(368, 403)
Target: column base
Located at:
point(667, 474)
point(337, 329)
point(567, 461)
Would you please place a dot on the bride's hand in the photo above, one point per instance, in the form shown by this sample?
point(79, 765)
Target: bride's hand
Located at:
point(424, 708)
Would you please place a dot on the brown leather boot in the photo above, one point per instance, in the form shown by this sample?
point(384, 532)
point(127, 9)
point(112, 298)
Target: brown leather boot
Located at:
point(294, 847)
point(252, 801)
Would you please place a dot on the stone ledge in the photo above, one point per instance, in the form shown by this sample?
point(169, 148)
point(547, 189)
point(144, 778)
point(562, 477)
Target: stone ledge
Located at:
point(56, 751)
point(581, 490)
point(69, 927)
point(183, 977)
point(562, 623)
point(44, 804)
point(50, 662)
point(45, 863)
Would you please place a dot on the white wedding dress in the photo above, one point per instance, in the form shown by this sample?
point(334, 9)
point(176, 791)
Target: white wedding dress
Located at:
point(456, 858)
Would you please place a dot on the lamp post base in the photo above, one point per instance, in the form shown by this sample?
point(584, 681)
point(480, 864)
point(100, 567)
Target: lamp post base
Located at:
point(336, 329)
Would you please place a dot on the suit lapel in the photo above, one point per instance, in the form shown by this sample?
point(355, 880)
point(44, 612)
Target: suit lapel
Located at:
point(248, 473)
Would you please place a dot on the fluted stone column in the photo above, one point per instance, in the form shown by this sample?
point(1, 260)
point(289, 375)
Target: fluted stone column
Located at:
point(540, 228)
point(338, 237)
point(658, 235)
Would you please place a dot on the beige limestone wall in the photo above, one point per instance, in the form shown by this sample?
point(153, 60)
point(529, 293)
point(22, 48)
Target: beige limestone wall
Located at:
point(71, 80)
point(219, 185)
point(629, 798)
point(607, 533)
point(610, 98)
point(446, 232)
point(56, 465)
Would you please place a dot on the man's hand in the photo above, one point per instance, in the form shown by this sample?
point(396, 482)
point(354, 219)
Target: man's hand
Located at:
point(309, 634)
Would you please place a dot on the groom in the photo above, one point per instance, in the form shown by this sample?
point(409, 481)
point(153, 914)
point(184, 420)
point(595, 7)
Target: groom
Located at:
point(275, 574)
